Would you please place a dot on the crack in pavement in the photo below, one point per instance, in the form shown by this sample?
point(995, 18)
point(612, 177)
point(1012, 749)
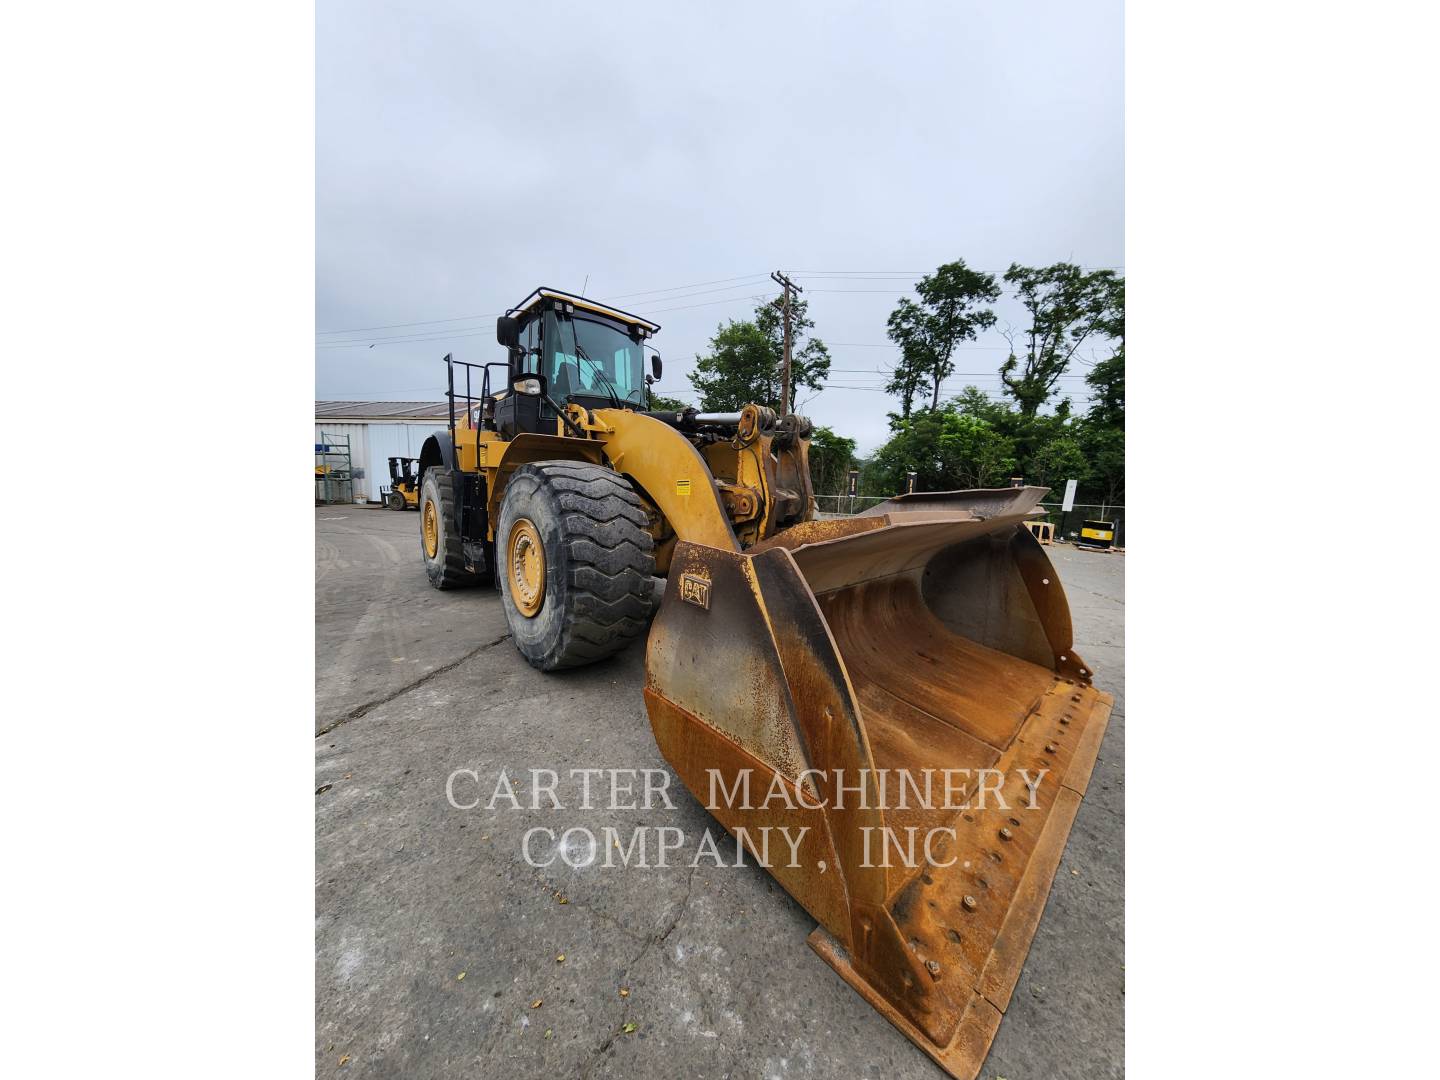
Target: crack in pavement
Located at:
point(360, 710)
point(651, 941)
point(570, 899)
point(1117, 601)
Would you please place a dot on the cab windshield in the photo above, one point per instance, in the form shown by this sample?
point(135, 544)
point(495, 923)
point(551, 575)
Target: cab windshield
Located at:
point(590, 358)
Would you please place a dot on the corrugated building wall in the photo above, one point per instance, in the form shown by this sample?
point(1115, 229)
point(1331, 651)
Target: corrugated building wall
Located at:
point(374, 439)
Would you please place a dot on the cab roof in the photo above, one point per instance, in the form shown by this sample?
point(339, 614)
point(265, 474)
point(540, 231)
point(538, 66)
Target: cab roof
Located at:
point(536, 298)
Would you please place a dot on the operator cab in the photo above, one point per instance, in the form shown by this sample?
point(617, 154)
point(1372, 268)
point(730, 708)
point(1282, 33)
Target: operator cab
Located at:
point(576, 350)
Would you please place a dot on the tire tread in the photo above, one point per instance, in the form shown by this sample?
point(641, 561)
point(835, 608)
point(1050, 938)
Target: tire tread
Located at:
point(610, 561)
point(450, 572)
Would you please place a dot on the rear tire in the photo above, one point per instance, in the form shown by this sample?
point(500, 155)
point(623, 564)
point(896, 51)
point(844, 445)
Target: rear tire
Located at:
point(591, 594)
point(440, 544)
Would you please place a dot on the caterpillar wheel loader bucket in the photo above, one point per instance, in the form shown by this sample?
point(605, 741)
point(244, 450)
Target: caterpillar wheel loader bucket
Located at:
point(825, 673)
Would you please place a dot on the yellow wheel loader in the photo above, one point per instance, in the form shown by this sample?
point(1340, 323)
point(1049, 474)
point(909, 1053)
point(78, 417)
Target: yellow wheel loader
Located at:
point(404, 490)
point(897, 689)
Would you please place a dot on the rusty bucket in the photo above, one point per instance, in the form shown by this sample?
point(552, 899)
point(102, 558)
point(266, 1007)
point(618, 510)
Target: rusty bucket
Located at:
point(898, 690)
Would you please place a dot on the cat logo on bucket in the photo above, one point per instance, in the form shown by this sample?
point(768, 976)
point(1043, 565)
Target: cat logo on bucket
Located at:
point(695, 589)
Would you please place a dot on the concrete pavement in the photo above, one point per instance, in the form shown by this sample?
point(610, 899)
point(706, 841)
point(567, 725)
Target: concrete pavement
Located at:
point(412, 893)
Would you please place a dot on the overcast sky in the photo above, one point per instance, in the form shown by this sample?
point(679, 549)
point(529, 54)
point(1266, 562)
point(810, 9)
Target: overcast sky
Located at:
point(676, 153)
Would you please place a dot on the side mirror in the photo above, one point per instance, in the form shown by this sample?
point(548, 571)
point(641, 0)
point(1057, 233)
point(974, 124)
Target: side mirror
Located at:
point(507, 331)
point(656, 367)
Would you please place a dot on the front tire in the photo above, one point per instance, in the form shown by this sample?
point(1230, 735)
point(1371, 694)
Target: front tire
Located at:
point(395, 501)
point(440, 543)
point(574, 562)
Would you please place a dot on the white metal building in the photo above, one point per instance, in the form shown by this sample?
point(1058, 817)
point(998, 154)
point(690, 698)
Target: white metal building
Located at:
point(379, 430)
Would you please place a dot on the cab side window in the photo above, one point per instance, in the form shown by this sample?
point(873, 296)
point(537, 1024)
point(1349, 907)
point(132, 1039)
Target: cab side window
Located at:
point(562, 367)
point(530, 341)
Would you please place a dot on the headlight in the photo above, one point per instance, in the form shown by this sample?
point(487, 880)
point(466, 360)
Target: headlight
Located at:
point(527, 386)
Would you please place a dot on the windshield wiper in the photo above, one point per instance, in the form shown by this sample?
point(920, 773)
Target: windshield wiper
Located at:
point(610, 387)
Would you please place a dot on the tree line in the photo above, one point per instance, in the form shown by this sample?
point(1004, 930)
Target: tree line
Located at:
point(1074, 318)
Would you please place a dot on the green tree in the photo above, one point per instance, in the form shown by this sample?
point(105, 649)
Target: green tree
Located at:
point(1112, 323)
point(953, 308)
point(1102, 432)
point(1055, 462)
point(661, 403)
point(978, 455)
point(1107, 380)
point(746, 357)
point(1105, 450)
point(947, 450)
point(972, 401)
point(907, 378)
point(1045, 446)
point(1067, 306)
point(831, 458)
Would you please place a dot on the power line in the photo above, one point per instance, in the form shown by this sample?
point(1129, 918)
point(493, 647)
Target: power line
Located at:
point(445, 335)
point(382, 342)
point(422, 322)
point(838, 275)
point(961, 374)
point(944, 389)
point(698, 292)
point(439, 334)
point(694, 285)
point(920, 273)
point(886, 345)
point(708, 303)
point(742, 279)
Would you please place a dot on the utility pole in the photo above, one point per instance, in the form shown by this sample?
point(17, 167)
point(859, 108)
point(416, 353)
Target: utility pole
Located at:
point(790, 287)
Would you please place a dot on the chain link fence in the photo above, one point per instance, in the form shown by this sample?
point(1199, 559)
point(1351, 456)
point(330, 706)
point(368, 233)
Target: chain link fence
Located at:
point(1067, 522)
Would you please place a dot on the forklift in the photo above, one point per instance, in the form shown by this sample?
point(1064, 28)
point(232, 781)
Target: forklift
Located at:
point(404, 490)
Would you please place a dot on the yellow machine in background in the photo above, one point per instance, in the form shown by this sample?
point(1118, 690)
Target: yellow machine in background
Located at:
point(404, 490)
point(806, 657)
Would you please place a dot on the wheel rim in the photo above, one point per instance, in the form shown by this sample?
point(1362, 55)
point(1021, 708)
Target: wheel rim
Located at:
point(430, 526)
point(526, 567)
